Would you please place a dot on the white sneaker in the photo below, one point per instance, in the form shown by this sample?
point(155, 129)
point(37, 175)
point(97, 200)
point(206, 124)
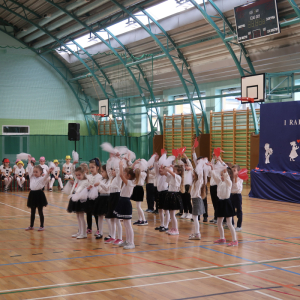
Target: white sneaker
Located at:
point(183, 216)
point(81, 236)
point(129, 246)
point(238, 229)
point(75, 235)
point(189, 216)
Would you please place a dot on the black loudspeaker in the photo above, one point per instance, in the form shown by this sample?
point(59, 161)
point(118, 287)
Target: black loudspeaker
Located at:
point(73, 131)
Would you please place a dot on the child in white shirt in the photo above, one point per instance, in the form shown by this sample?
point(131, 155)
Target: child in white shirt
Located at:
point(55, 175)
point(67, 168)
point(224, 207)
point(6, 173)
point(20, 174)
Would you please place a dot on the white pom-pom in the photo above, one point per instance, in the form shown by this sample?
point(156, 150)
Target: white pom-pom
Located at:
point(68, 188)
point(151, 161)
point(121, 149)
point(169, 160)
point(51, 165)
point(23, 156)
point(142, 165)
point(82, 196)
point(93, 193)
point(131, 155)
point(108, 148)
point(162, 160)
point(75, 156)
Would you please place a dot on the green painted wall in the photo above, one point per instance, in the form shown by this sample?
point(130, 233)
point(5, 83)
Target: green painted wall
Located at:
point(34, 94)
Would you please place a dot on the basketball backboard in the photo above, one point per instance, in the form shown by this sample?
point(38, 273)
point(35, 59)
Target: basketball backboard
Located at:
point(253, 86)
point(104, 107)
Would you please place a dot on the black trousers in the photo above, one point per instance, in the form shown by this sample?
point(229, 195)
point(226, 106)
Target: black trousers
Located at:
point(89, 220)
point(237, 204)
point(150, 193)
point(186, 200)
point(214, 199)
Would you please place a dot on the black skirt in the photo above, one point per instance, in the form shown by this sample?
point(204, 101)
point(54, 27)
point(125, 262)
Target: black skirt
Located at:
point(52, 176)
point(112, 204)
point(124, 209)
point(77, 206)
point(138, 194)
point(173, 201)
point(225, 209)
point(36, 199)
point(101, 206)
point(160, 199)
point(90, 204)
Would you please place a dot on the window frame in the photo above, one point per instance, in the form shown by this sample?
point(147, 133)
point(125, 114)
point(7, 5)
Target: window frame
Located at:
point(11, 133)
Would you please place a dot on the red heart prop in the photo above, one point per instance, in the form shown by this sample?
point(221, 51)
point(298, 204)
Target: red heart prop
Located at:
point(181, 150)
point(217, 152)
point(162, 151)
point(298, 141)
point(243, 174)
point(196, 143)
point(175, 152)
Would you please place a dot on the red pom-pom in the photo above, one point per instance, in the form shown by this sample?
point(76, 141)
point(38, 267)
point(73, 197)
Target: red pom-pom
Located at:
point(243, 174)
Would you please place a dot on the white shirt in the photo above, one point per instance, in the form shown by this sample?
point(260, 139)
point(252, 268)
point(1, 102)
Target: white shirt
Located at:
point(14, 167)
point(116, 183)
point(237, 186)
point(218, 164)
point(103, 187)
point(161, 182)
point(5, 171)
point(127, 189)
point(94, 178)
point(36, 183)
point(188, 175)
point(142, 178)
point(151, 175)
point(56, 171)
point(174, 182)
point(45, 168)
point(19, 172)
point(196, 187)
point(67, 167)
point(224, 187)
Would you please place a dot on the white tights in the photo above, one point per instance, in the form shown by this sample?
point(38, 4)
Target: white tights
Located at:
point(196, 224)
point(230, 226)
point(81, 223)
point(20, 180)
point(140, 211)
point(7, 181)
point(129, 231)
point(100, 224)
point(59, 182)
point(173, 219)
point(116, 225)
point(164, 223)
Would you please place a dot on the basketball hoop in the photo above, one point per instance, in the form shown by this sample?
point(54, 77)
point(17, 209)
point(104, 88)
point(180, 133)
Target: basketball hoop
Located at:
point(245, 99)
point(97, 117)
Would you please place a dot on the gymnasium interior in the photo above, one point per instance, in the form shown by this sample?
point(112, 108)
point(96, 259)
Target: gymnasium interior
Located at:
point(154, 76)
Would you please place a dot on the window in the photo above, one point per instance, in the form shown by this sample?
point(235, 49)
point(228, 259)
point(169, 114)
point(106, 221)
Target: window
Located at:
point(186, 108)
point(15, 130)
point(152, 112)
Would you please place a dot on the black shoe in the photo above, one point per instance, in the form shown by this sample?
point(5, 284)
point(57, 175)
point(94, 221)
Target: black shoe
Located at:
point(137, 222)
point(99, 236)
point(179, 214)
point(205, 220)
point(143, 223)
point(107, 238)
point(192, 220)
point(212, 221)
point(155, 212)
point(158, 228)
point(163, 229)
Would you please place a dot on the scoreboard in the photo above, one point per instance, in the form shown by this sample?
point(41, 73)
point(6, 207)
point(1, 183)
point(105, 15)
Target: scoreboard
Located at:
point(256, 19)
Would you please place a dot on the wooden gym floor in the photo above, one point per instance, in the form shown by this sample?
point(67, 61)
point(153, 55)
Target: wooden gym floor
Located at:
point(52, 265)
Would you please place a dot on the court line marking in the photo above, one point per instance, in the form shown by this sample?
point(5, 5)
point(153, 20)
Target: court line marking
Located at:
point(123, 278)
point(15, 207)
point(237, 284)
point(138, 286)
point(278, 259)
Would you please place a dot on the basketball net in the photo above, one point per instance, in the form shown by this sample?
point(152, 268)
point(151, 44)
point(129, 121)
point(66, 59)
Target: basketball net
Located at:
point(97, 117)
point(245, 99)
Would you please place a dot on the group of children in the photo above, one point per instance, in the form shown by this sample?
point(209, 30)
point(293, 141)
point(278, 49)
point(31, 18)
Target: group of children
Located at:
point(20, 174)
point(105, 191)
